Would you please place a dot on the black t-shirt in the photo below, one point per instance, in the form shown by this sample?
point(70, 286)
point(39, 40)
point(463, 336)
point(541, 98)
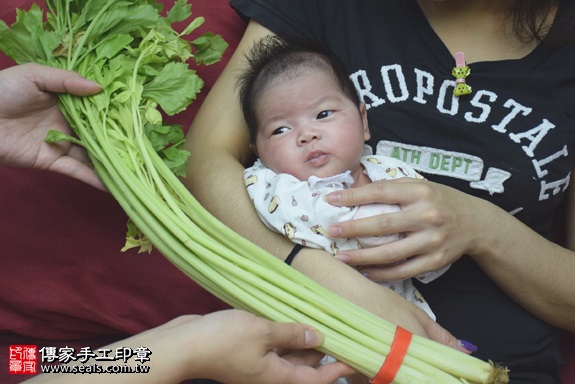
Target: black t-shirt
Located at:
point(511, 142)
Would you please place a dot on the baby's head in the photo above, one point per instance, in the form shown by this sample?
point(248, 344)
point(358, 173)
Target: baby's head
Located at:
point(274, 59)
point(302, 109)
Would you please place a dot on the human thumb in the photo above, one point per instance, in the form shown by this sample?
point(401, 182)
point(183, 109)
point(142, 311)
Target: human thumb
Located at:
point(295, 336)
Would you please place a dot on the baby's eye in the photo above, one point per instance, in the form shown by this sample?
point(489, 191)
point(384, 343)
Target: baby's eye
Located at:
point(324, 114)
point(280, 130)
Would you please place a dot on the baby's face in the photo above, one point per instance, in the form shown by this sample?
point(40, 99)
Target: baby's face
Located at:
point(307, 126)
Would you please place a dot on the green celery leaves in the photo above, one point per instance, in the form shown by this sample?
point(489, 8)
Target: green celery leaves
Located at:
point(131, 49)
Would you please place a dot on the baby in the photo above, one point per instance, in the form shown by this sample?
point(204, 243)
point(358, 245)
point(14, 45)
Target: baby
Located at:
point(308, 129)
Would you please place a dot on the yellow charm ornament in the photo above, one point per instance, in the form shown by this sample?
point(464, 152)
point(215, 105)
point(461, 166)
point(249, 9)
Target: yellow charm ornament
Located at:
point(460, 72)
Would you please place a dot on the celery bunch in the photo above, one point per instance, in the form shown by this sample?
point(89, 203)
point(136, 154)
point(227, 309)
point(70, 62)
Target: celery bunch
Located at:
point(134, 53)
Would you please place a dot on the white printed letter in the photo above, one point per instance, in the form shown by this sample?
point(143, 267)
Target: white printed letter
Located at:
point(424, 85)
point(535, 135)
point(389, 89)
point(447, 89)
point(516, 108)
point(485, 108)
point(363, 86)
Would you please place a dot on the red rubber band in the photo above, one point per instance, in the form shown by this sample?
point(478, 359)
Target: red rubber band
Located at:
point(393, 361)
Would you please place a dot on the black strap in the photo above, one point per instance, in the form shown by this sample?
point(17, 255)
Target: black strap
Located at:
point(293, 254)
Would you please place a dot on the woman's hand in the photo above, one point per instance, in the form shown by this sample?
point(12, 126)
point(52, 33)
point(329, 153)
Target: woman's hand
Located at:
point(438, 223)
point(229, 346)
point(28, 109)
point(237, 347)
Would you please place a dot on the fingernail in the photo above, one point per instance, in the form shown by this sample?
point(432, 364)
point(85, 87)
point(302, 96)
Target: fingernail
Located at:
point(312, 339)
point(334, 231)
point(333, 197)
point(93, 83)
point(467, 345)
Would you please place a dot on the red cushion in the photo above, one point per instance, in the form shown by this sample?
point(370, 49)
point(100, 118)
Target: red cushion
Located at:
point(63, 275)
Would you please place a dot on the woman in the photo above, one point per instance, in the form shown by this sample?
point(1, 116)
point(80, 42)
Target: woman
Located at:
point(498, 162)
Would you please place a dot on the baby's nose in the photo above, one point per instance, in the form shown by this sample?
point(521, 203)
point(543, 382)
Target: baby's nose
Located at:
point(307, 137)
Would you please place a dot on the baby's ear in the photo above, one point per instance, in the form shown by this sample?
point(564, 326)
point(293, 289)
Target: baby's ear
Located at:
point(363, 113)
point(254, 149)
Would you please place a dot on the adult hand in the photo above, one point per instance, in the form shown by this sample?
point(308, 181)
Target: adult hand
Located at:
point(230, 346)
point(237, 347)
point(28, 109)
point(437, 221)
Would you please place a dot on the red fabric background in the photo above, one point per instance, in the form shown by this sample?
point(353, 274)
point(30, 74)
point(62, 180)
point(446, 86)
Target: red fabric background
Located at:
point(62, 274)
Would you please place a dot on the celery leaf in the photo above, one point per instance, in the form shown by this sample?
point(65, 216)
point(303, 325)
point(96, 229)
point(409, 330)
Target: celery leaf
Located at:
point(209, 48)
point(179, 12)
point(167, 141)
point(136, 239)
point(54, 136)
point(26, 41)
point(176, 159)
point(124, 19)
point(164, 135)
point(174, 88)
point(112, 46)
point(197, 22)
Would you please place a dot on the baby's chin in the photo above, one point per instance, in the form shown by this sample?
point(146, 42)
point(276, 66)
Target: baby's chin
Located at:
point(322, 175)
point(323, 172)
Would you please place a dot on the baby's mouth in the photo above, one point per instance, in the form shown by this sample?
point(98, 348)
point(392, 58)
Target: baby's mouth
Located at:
point(317, 158)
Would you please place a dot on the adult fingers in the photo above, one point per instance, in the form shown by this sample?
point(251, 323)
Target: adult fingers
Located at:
point(416, 266)
point(293, 336)
point(384, 255)
point(325, 374)
point(309, 357)
point(303, 371)
point(333, 371)
point(442, 336)
point(298, 337)
point(74, 168)
point(405, 258)
point(378, 225)
point(410, 219)
point(384, 191)
point(413, 243)
point(61, 81)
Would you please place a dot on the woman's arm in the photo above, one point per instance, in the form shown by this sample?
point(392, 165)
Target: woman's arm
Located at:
point(218, 141)
point(442, 224)
point(534, 271)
